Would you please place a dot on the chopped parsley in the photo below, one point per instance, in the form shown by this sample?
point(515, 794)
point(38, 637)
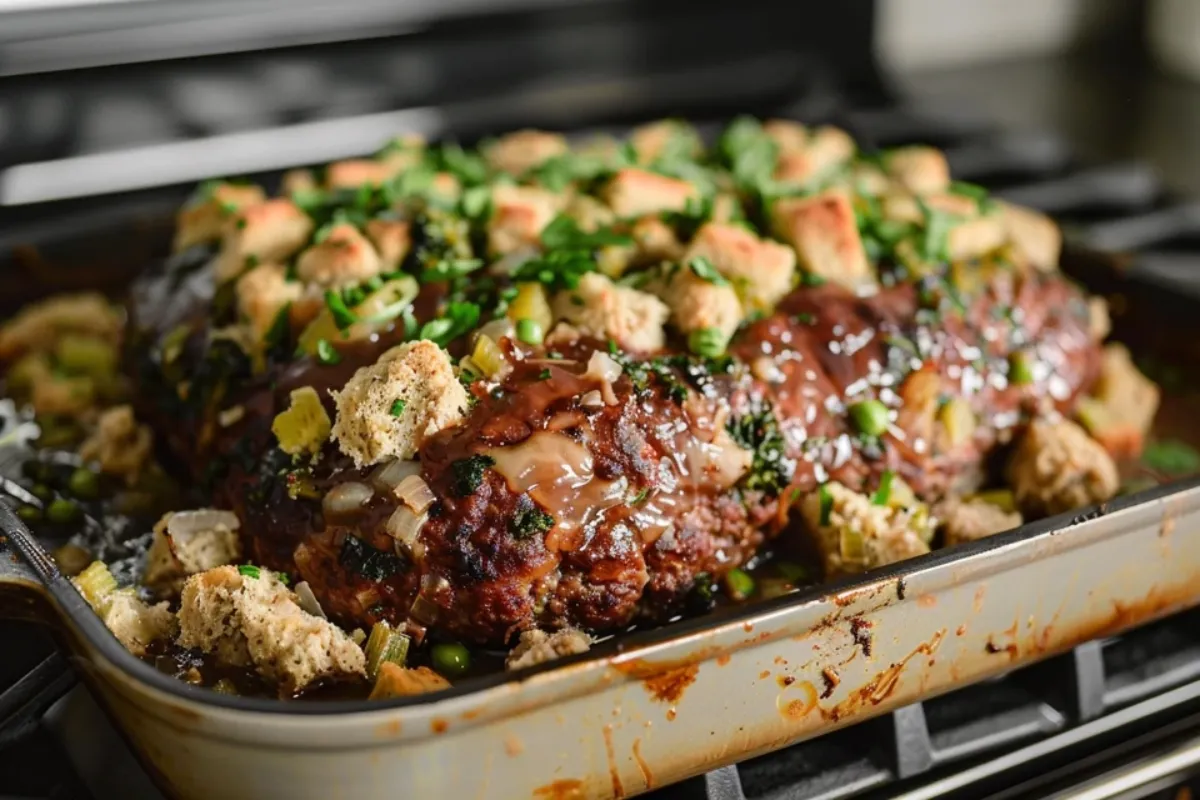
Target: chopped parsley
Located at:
point(366, 561)
point(460, 317)
point(468, 473)
point(529, 521)
point(935, 239)
point(398, 407)
point(448, 269)
point(750, 154)
point(770, 470)
point(249, 570)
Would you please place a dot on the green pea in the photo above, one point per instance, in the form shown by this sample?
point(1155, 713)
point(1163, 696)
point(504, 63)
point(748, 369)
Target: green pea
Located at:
point(707, 342)
point(451, 659)
point(84, 483)
point(61, 511)
point(738, 585)
point(42, 492)
point(530, 331)
point(870, 417)
point(29, 514)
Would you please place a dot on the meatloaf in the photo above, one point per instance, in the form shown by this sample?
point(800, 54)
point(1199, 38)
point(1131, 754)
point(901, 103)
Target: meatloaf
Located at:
point(542, 385)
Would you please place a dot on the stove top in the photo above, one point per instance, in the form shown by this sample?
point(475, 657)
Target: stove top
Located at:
point(1113, 718)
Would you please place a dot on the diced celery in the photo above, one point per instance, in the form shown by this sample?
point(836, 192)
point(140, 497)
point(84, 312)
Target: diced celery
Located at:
point(385, 645)
point(531, 303)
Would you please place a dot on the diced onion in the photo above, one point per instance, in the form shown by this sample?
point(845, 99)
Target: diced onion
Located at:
point(511, 262)
point(308, 600)
point(367, 598)
point(404, 525)
point(415, 493)
point(423, 609)
point(189, 523)
point(602, 367)
point(386, 477)
point(346, 498)
point(496, 330)
point(592, 399)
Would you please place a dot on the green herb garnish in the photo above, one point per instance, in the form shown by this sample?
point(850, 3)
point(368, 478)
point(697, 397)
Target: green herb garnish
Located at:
point(366, 561)
point(1171, 457)
point(530, 521)
point(826, 500)
point(327, 354)
point(705, 270)
point(249, 570)
point(468, 473)
point(398, 407)
point(459, 318)
point(343, 317)
point(884, 493)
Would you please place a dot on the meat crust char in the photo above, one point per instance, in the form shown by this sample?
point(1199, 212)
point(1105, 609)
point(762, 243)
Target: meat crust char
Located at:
point(648, 521)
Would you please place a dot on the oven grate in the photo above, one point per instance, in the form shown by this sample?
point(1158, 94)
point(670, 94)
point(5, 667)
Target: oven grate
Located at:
point(976, 740)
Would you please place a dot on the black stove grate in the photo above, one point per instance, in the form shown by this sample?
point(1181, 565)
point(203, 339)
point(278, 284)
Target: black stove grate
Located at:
point(974, 741)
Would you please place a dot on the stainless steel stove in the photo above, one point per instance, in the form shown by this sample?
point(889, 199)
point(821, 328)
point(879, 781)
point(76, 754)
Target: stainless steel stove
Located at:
point(1114, 718)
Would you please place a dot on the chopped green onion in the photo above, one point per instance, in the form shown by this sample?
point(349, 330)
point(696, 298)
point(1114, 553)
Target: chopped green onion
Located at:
point(398, 407)
point(1020, 368)
point(884, 493)
point(826, 498)
point(343, 317)
point(738, 584)
point(249, 570)
point(327, 353)
point(61, 511)
point(385, 644)
point(84, 483)
point(530, 331)
point(451, 659)
point(705, 270)
point(870, 417)
point(707, 342)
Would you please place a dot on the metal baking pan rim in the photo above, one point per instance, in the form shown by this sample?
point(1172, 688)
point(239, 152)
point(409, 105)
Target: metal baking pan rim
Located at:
point(626, 655)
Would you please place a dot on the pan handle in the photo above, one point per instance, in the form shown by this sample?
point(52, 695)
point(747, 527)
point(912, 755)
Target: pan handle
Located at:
point(26, 570)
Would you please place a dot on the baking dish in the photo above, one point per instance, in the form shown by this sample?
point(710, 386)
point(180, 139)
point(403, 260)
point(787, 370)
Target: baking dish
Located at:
point(658, 706)
point(651, 708)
